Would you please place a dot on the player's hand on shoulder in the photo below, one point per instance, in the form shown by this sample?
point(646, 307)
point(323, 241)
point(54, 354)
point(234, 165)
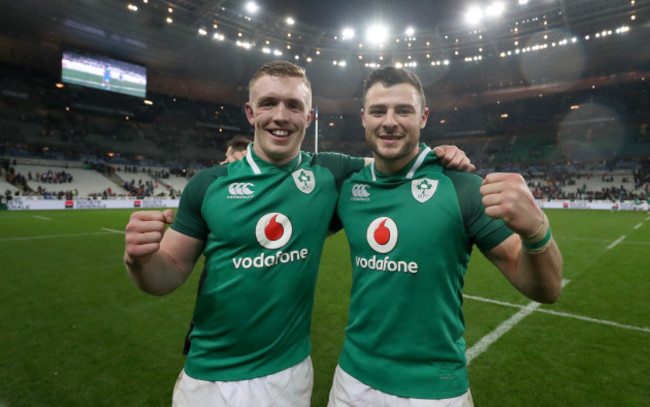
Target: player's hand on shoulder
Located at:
point(454, 158)
point(506, 196)
point(235, 156)
point(144, 232)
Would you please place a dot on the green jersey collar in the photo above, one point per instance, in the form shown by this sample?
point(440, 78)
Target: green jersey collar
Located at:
point(411, 167)
point(253, 160)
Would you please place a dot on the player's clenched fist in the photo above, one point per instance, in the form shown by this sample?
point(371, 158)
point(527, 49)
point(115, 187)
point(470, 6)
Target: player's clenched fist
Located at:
point(143, 234)
point(506, 196)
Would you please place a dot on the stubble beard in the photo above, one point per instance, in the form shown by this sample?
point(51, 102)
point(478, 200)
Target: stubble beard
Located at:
point(391, 153)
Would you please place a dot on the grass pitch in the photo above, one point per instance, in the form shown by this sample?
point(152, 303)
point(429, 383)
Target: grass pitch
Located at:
point(76, 332)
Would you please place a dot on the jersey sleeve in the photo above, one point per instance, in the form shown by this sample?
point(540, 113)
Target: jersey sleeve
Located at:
point(189, 220)
point(484, 231)
point(340, 165)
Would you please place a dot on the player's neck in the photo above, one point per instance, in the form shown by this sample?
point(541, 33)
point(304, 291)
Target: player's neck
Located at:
point(388, 166)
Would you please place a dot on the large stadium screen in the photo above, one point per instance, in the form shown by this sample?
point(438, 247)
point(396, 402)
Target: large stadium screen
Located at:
point(100, 72)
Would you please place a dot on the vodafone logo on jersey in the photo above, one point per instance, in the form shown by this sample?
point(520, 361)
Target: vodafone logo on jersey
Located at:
point(382, 238)
point(382, 235)
point(273, 230)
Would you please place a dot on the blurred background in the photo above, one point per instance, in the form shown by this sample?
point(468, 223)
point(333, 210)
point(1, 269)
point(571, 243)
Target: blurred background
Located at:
point(551, 88)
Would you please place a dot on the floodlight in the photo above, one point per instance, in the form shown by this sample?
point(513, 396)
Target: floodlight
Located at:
point(495, 9)
point(474, 15)
point(377, 34)
point(252, 7)
point(347, 33)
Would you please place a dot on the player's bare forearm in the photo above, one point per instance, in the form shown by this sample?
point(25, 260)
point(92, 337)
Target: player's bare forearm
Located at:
point(158, 260)
point(542, 274)
point(530, 259)
point(157, 275)
point(537, 276)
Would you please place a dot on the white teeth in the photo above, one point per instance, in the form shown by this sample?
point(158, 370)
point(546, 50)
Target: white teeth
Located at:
point(280, 133)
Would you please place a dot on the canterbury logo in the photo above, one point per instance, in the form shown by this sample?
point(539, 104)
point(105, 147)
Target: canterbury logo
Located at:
point(241, 190)
point(359, 192)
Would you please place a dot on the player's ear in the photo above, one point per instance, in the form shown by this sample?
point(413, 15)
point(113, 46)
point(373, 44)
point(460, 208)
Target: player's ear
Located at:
point(424, 117)
point(310, 116)
point(250, 114)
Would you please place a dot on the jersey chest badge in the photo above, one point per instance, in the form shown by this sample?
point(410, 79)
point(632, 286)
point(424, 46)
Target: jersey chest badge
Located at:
point(304, 180)
point(423, 189)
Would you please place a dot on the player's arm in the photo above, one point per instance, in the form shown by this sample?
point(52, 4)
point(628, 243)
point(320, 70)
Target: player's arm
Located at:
point(158, 260)
point(530, 259)
point(451, 157)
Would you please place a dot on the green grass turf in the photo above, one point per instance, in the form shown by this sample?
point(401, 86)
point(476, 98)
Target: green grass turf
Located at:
point(74, 331)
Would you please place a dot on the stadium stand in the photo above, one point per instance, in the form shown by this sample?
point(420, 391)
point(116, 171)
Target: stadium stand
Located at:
point(587, 149)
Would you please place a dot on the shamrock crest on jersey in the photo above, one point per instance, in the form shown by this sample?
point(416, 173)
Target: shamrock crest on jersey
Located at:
point(423, 189)
point(304, 180)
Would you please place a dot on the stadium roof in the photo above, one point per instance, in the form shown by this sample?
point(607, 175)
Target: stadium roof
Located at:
point(208, 49)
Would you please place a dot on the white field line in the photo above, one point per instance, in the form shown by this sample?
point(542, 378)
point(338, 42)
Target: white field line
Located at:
point(633, 242)
point(585, 239)
point(638, 226)
point(598, 321)
point(42, 217)
point(105, 232)
point(560, 314)
point(114, 231)
point(601, 240)
point(616, 242)
point(13, 239)
point(485, 342)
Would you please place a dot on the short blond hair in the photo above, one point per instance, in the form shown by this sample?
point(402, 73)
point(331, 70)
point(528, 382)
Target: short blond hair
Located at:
point(280, 69)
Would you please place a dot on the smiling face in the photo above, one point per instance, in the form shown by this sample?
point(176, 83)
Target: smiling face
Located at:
point(393, 117)
point(280, 109)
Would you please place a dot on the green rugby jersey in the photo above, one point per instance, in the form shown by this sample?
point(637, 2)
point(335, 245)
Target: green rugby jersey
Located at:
point(264, 226)
point(411, 235)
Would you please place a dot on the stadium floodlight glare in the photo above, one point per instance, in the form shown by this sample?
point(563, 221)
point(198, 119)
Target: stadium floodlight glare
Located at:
point(290, 21)
point(244, 44)
point(203, 31)
point(252, 7)
point(347, 33)
point(523, 2)
point(409, 31)
point(495, 9)
point(377, 34)
point(474, 16)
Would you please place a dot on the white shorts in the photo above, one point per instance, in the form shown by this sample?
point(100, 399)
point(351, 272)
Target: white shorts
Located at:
point(291, 387)
point(349, 392)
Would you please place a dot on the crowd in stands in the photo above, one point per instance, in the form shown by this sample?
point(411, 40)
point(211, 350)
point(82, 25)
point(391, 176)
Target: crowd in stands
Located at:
point(630, 181)
point(177, 137)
